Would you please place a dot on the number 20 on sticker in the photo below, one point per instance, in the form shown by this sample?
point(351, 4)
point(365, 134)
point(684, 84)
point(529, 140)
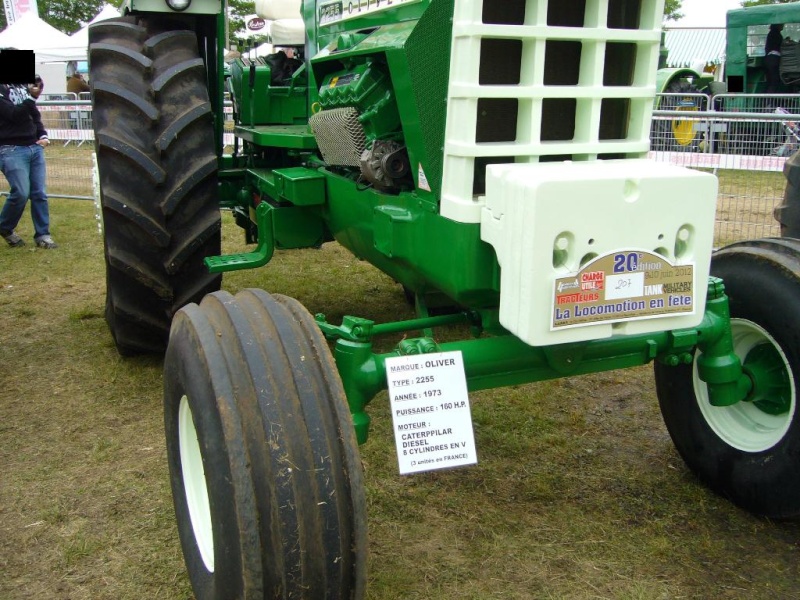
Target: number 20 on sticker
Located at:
point(627, 262)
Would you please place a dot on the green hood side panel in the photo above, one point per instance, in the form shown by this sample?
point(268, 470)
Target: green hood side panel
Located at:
point(428, 55)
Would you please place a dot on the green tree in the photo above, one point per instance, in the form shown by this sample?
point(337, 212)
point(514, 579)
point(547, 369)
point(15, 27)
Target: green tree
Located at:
point(69, 15)
point(237, 11)
point(66, 15)
point(672, 10)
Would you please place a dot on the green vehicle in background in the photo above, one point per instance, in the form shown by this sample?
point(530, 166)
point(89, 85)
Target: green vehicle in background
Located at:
point(742, 72)
point(490, 157)
point(747, 33)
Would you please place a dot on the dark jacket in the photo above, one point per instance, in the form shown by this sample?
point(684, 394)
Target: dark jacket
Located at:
point(774, 41)
point(20, 121)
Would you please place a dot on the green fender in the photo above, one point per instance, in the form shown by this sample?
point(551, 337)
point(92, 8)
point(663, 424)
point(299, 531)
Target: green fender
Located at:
point(665, 78)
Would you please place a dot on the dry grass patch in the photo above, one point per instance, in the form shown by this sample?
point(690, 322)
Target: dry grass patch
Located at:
point(69, 169)
point(745, 205)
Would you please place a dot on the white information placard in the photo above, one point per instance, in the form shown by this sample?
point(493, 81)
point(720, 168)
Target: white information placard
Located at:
point(430, 412)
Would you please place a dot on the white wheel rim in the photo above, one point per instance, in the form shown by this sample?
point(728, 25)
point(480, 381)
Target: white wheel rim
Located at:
point(194, 484)
point(743, 425)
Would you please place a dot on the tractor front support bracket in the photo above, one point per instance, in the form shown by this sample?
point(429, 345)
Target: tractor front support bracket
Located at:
point(504, 360)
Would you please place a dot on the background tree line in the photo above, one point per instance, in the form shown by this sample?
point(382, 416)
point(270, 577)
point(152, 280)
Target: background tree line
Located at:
point(70, 15)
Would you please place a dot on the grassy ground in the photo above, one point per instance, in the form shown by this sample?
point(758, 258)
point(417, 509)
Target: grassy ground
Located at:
point(578, 493)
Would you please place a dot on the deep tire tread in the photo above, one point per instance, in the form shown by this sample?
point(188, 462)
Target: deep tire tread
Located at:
point(187, 247)
point(196, 288)
point(108, 142)
point(124, 95)
point(176, 196)
point(157, 164)
point(307, 526)
point(132, 267)
point(189, 117)
point(136, 317)
point(184, 38)
point(122, 53)
point(175, 72)
point(149, 226)
point(124, 26)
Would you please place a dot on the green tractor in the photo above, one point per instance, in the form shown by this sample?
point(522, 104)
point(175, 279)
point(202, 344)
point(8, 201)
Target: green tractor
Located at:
point(743, 72)
point(487, 156)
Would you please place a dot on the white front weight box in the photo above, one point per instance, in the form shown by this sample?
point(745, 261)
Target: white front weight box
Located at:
point(592, 249)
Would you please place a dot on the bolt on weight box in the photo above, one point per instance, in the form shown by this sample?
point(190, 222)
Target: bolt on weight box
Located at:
point(592, 249)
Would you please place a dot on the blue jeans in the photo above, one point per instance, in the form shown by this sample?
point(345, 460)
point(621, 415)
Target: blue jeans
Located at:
point(25, 170)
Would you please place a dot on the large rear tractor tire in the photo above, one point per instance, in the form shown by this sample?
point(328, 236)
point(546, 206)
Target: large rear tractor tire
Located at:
point(750, 451)
point(264, 464)
point(158, 175)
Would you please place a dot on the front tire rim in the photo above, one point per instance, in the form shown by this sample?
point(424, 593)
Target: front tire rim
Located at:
point(194, 484)
point(743, 425)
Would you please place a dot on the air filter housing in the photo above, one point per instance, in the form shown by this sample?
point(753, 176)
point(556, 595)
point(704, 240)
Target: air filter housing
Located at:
point(340, 136)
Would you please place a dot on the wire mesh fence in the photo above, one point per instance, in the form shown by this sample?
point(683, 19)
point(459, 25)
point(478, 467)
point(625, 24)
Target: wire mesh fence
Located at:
point(743, 139)
point(746, 200)
point(68, 121)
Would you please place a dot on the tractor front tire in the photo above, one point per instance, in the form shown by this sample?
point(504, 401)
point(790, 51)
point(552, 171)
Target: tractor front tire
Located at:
point(748, 452)
point(158, 175)
point(264, 464)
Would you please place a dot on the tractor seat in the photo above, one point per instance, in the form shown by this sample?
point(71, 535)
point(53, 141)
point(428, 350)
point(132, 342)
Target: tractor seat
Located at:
point(285, 22)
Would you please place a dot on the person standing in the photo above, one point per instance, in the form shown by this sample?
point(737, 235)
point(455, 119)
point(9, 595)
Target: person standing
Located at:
point(22, 142)
point(77, 84)
point(772, 58)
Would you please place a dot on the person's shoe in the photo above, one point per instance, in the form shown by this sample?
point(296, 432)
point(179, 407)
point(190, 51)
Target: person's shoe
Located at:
point(13, 239)
point(45, 242)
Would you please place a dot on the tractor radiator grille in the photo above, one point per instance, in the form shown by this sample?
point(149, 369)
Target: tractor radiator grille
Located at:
point(340, 136)
point(535, 81)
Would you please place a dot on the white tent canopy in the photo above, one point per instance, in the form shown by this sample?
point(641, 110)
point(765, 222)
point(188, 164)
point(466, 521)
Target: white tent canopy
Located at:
point(81, 37)
point(76, 46)
point(29, 32)
point(63, 53)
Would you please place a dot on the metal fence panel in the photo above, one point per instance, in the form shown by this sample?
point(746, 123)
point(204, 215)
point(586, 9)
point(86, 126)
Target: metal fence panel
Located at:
point(744, 139)
point(750, 188)
point(68, 121)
